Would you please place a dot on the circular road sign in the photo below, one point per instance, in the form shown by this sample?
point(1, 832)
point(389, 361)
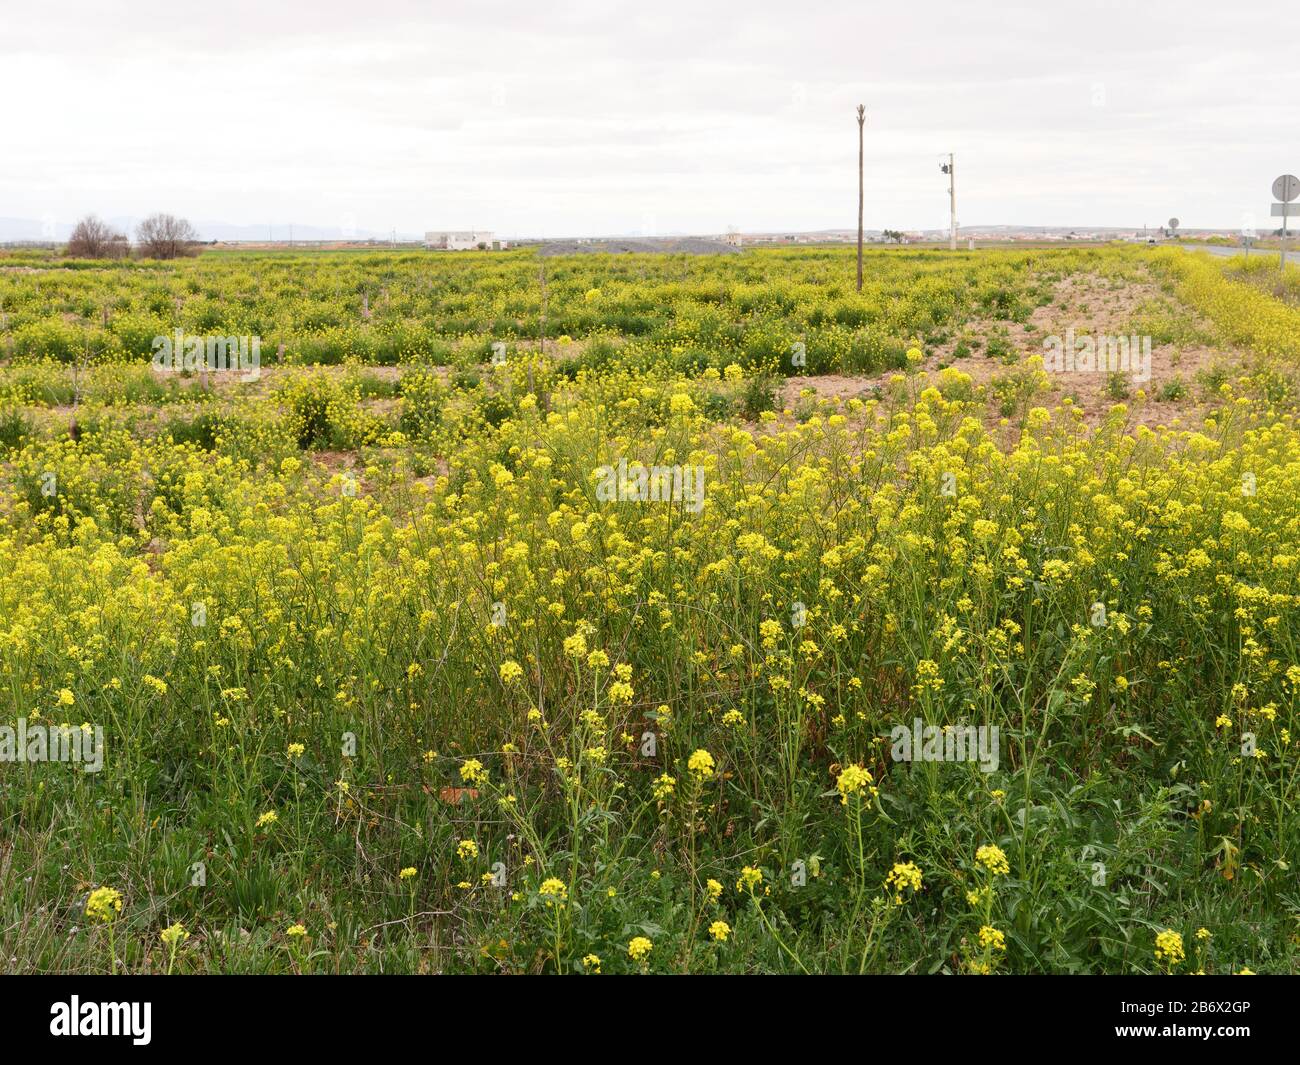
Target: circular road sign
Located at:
point(1286, 188)
point(1173, 223)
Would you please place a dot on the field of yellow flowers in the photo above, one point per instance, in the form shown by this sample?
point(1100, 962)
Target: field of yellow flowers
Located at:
point(522, 618)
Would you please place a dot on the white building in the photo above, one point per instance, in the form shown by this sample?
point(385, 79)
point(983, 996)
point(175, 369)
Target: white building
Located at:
point(462, 240)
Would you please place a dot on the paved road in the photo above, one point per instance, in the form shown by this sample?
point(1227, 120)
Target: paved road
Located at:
point(1219, 249)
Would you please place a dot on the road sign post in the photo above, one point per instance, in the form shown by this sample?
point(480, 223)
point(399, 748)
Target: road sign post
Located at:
point(1285, 189)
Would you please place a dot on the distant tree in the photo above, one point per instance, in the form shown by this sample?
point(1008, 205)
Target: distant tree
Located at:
point(892, 235)
point(164, 236)
point(94, 239)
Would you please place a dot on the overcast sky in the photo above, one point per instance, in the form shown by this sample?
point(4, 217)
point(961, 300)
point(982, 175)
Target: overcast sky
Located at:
point(594, 116)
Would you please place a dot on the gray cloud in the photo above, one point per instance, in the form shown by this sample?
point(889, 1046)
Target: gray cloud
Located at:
point(592, 117)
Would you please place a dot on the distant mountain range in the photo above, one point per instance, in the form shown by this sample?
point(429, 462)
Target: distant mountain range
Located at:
point(31, 229)
point(51, 230)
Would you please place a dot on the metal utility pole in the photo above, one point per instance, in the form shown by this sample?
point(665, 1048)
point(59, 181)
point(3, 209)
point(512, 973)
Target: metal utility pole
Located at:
point(862, 118)
point(950, 168)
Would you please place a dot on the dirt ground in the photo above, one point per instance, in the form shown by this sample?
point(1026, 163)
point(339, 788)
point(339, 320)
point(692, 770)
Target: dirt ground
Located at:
point(1088, 305)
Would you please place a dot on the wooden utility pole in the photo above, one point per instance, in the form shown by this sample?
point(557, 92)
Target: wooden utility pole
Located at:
point(862, 118)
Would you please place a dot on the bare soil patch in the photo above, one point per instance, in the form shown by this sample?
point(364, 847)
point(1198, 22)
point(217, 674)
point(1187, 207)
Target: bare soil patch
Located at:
point(1088, 305)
